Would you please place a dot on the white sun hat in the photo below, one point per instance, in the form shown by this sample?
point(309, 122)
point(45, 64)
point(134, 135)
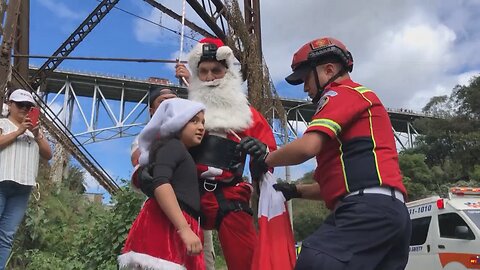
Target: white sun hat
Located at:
point(21, 95)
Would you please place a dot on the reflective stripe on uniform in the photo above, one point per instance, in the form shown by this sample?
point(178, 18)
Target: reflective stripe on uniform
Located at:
point(324, 122)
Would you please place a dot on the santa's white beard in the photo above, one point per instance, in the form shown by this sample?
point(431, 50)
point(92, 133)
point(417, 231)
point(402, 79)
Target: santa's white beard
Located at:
point(227, 105)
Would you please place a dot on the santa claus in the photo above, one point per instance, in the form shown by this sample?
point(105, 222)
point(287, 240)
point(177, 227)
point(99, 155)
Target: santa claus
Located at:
point(215, 81)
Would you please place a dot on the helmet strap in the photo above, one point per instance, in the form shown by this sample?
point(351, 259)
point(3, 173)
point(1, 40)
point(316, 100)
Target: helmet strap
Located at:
point(322, 88)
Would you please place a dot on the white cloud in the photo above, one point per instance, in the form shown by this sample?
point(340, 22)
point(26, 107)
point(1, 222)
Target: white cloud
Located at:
point(91, 184)
point(406, 61)
point(60, 9)
point(407, 51)
point(147, 32)
point(464, 78)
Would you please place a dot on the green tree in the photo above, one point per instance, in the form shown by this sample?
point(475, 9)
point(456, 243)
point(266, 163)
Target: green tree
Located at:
point(63, 230)
point(46, 237)
point(452, 140)
point(307, 215)
point(75, 179)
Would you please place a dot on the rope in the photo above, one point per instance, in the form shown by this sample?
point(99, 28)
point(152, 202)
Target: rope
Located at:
point(182, 31)
point(182, 35)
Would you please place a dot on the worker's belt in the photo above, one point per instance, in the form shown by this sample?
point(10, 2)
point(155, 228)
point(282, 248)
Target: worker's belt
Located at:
point(388, 191)
point(226, 206)
point(218, 152)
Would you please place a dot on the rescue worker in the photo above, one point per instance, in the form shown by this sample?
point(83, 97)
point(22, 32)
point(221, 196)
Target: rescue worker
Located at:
point(357, 172)
point(216, 82)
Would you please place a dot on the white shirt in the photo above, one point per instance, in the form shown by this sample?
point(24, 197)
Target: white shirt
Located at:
point(19, 160)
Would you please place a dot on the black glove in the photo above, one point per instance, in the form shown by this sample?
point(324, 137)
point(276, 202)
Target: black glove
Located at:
point(258, 167)
point(255, 148)
point(289, 190)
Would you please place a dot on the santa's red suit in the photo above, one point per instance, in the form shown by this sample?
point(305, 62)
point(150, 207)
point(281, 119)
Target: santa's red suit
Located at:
point(225, 196)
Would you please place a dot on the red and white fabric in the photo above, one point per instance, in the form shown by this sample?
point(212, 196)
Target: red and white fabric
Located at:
point(153, 243)
point(275, 249)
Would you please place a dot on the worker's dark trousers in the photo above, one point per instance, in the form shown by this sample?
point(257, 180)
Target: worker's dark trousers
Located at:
point(365, 232)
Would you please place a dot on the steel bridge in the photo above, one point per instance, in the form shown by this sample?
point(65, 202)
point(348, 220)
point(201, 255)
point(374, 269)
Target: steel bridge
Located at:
point(106, 108)
point(123, 101)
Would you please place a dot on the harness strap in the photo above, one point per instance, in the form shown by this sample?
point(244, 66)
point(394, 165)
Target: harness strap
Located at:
point(226, 206)
point(189, 210)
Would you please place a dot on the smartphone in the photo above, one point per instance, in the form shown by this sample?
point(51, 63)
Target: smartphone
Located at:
point(33, 114)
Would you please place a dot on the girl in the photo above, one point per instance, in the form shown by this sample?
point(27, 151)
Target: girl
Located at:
point(165, 235)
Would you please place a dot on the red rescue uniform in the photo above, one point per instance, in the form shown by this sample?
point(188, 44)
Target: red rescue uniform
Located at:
point(361, 152)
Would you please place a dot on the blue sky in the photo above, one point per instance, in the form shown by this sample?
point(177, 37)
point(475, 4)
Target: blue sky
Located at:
point(407, 51)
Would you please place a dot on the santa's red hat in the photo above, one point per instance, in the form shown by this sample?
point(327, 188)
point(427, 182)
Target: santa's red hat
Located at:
point(216, 41)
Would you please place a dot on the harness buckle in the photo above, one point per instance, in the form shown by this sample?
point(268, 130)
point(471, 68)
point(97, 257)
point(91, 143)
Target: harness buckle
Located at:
point(209, 186)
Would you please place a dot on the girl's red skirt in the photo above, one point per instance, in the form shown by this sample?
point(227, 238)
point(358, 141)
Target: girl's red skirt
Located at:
point(153, 242)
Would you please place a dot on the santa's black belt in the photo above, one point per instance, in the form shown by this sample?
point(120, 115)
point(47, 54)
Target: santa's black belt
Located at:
point(220, 153)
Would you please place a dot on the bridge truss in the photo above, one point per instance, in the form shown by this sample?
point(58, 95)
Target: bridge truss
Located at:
point(105, 108)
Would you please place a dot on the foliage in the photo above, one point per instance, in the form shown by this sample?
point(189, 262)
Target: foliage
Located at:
point(307, 215)
point(74, 180)
point(417, 175)
point(62, 230)
point(453, 139)
point(102, 242)
point(220, 262)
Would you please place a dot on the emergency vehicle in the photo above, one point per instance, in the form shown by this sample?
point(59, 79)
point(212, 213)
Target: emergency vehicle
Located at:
point(446, 232)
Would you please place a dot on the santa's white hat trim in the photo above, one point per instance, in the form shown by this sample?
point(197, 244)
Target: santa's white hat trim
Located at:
point(227, 103)
point(224, 53)
point(168, 120)
point(134, 260)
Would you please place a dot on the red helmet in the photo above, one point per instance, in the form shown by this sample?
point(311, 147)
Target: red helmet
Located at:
point(312, 54)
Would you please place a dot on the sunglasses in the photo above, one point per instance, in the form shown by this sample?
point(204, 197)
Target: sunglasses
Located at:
point(26, 105)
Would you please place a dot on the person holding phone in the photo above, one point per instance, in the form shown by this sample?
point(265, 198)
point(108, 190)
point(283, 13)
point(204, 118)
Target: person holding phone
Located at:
point(21, 144)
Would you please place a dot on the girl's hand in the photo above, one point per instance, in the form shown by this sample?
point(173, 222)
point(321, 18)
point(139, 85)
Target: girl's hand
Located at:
point(191, 240)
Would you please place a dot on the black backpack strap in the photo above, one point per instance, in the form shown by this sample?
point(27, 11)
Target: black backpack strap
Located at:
point(226, 206)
